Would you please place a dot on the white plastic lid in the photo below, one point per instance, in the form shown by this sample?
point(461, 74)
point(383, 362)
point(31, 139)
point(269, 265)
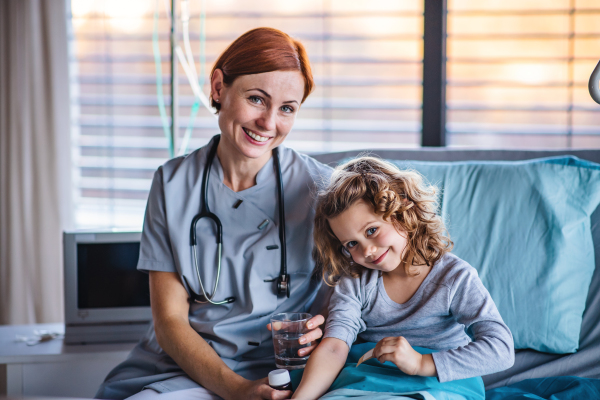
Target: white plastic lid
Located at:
point(279, 377)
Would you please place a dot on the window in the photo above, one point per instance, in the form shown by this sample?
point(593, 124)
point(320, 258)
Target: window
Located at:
point(366, 58)
point(517, 73)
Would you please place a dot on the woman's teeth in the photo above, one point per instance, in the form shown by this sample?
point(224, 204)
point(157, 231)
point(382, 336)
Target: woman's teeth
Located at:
point(255, 136)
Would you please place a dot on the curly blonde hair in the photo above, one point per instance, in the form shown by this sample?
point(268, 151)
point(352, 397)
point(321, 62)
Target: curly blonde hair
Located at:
point(399, 196)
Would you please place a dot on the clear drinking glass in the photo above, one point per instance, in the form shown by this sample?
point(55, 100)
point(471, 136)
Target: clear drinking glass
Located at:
point(287, 329)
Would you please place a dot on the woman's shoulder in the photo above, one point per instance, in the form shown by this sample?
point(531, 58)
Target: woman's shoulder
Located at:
point(193, 162)
point(190, 159)
point(319, 172)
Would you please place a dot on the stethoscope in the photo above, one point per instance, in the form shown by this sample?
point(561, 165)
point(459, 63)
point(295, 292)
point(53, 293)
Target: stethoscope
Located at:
point(593, 84)
point(283, 281)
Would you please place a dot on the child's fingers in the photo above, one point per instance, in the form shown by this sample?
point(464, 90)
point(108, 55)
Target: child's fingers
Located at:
point(388, 341)
point(388, 349)
point(391, 341)
point(387, 357)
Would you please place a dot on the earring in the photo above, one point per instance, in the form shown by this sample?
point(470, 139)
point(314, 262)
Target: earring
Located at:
point(217, 100)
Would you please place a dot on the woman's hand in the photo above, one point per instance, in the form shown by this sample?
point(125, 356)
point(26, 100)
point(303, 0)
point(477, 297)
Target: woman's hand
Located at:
point(400, 352)
point(312, 336)
point(259, 390)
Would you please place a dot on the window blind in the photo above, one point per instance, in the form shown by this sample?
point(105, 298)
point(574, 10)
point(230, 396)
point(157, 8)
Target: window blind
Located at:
point(366, 58)
point(517, 73)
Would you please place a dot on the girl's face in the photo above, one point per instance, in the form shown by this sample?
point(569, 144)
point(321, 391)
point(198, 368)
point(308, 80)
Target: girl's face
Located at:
point(371, 241)
point(257, 111)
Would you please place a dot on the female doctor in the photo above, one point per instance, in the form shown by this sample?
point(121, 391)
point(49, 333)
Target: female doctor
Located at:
point(208, 343)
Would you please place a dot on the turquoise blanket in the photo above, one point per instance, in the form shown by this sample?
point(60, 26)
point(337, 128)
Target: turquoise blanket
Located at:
point(554, 388)
point(377, 381)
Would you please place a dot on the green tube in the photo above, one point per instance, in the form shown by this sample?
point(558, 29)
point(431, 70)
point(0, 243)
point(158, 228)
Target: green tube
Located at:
point(159, 85)
point(196, 107)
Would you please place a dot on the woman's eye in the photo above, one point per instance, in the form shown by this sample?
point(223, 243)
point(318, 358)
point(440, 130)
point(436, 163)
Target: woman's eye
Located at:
point(255, 99)
point(287, 109)
point(371, 231)
point(350, 245)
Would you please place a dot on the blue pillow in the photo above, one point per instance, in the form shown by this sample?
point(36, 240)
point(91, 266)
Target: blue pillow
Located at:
point(525, 226)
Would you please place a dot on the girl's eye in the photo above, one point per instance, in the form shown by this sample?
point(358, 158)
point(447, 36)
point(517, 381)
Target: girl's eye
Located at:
point(255, 99)
point(351, 244)
point(371, 231)
point(287, 109)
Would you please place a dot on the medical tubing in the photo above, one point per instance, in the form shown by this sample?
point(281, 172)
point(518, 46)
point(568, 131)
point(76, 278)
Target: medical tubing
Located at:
point(208, 299)
point(205, 212)
point(198, 80)
point(281, 218)
point(185, 20)
point(188, 130)
point(593, 84)
point(159, 84)
point(202, 43)
point(209, 160)
point(199, 96)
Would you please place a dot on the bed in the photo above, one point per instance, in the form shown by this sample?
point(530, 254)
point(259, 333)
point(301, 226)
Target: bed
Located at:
point(529, 364)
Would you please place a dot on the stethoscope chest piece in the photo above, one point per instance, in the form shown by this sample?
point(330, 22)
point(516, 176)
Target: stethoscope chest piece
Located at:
point(283, 285)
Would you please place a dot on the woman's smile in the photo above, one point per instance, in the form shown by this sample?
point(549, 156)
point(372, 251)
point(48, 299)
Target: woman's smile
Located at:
point(257, 112)
point(255, 137)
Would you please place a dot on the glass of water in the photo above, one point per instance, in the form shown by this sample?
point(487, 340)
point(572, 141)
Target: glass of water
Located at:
point(287, 329)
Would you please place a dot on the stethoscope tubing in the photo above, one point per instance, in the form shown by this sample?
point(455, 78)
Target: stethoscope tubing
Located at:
point(283, 281)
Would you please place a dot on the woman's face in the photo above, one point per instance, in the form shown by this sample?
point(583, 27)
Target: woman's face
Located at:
point(257, 111)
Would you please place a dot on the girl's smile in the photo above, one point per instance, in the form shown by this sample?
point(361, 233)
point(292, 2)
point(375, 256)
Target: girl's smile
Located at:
point(380, 259)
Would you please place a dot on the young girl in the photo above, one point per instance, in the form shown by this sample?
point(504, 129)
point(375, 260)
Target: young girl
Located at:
point(382, 246)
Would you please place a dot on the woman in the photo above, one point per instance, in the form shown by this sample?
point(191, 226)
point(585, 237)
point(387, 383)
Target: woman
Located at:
point(210, 351)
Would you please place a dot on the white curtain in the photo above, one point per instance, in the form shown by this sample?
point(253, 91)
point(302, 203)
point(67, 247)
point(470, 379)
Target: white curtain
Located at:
point(35, 161)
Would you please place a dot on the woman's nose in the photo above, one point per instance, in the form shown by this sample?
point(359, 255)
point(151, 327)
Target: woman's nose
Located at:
point(267, 120)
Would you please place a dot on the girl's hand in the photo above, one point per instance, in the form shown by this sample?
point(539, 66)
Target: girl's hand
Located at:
point(312, 336)
point(259, 390)
point(400, 352)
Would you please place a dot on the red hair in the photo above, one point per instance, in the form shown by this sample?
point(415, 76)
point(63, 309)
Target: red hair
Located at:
point(263, 50)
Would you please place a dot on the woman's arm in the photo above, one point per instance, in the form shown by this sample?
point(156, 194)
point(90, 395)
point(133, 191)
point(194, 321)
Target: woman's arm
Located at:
point(324, 365)
point(190, 351)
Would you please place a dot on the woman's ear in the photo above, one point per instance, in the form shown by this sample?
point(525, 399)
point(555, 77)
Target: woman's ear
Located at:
point(216, 85)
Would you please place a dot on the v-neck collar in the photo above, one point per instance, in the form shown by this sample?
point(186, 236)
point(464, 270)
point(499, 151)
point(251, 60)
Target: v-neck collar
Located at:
point(414, 298)
point(265, 175)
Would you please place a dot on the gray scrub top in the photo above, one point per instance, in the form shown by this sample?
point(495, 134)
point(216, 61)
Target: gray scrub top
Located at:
point(250, 263)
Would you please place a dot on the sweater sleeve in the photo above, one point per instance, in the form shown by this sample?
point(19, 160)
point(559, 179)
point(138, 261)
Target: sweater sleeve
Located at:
point(344, 321)
point(491, 349)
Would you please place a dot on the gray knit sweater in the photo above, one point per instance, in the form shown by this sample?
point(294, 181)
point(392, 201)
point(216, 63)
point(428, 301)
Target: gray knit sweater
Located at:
point(451, 312)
